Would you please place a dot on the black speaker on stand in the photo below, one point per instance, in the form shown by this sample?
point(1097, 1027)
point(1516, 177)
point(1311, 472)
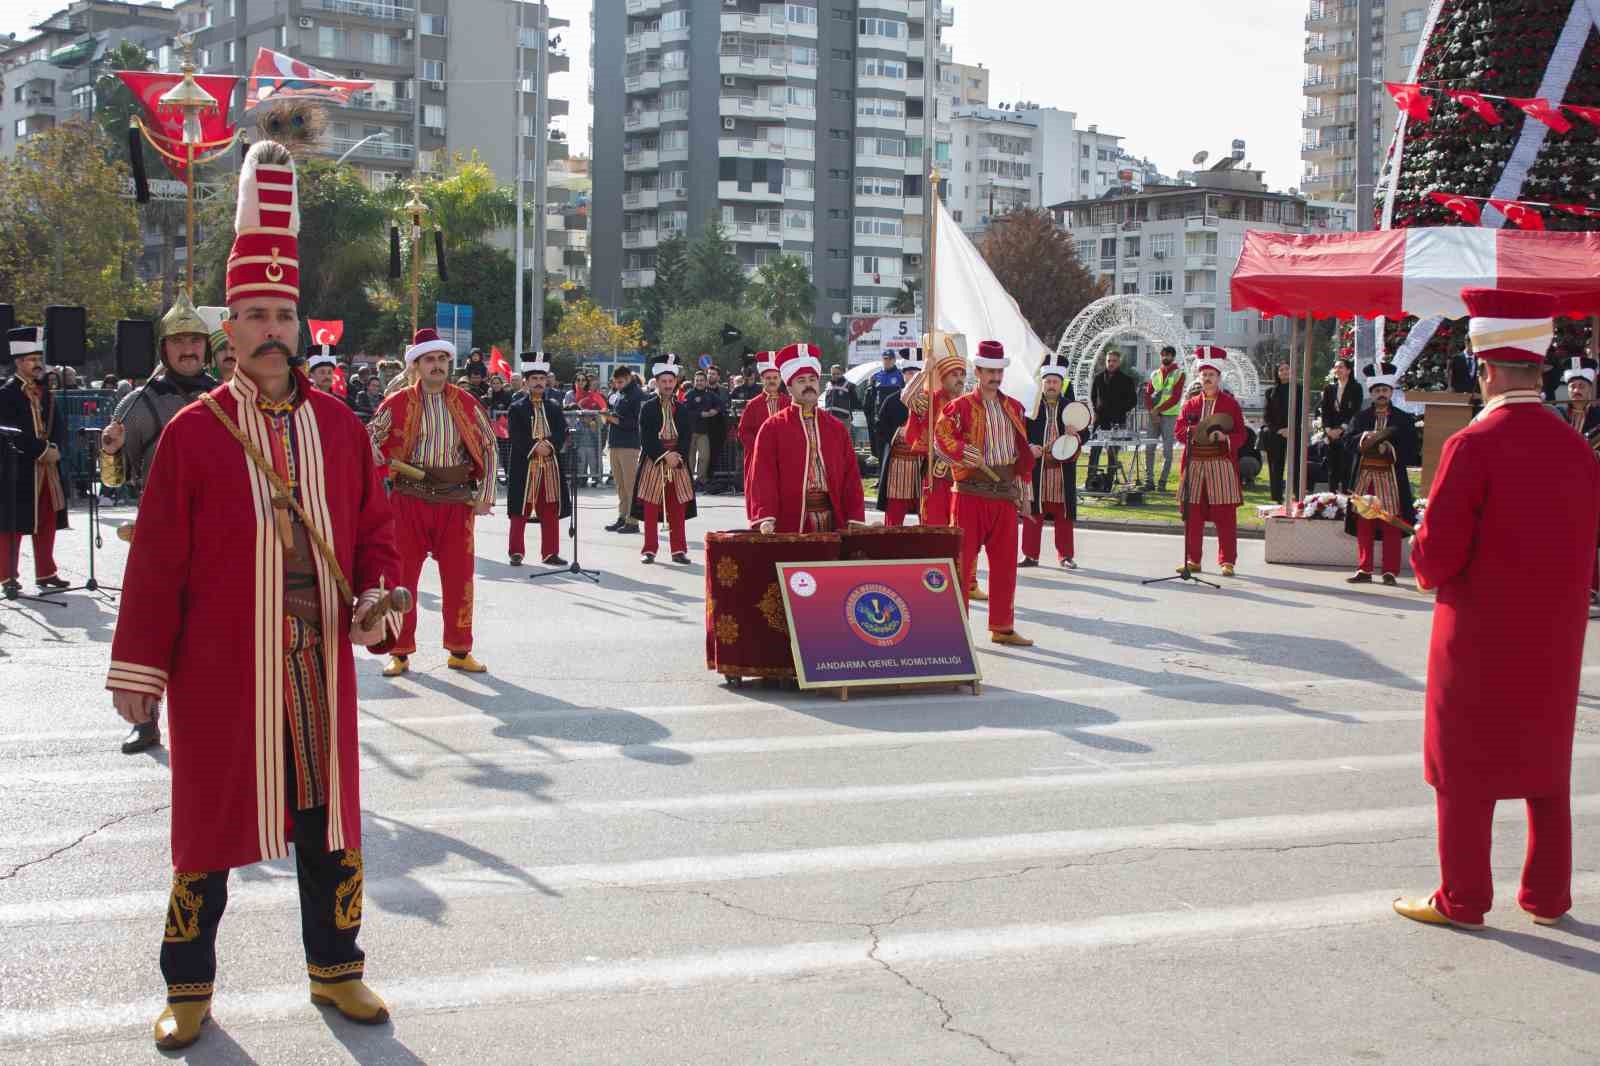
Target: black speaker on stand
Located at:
point(136, 348)
point(8, 322)
point(66, 335)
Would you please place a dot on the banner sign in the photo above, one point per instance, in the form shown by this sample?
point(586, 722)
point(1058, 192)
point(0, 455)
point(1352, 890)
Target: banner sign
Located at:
point(454, 324)
point(870, 334)
point(876, 622)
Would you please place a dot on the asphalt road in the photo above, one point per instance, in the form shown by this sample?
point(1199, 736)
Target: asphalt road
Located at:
point(1167, 834)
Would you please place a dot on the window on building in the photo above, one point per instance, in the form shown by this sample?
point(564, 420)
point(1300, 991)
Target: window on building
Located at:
point(1130, 287)
point(674, 139)
point(881, 68)
point(838, 214)
point(838, 253)
point(879, 27)
point(800, 96)
point(228, 50)
point(842, 55)
point(885, 146)
point(675, 59)
point(794, 218)
point(433, 116)
point(842, 14)
point(800, 13)
point(1085, 251)
point(434, 25)
point(1232, 245)
point(433, 70)
point(675, 20)
point(1161, 245)
point(281, 35)
point(838, 174)
point(1130, 247)
point(232, 8)
point(839, 294)
point(1411, 21)
point(1408, 55)
point(881, 227)
point(838, 135)
point(83, 98)
point(841, 96)
point(675, 100)
point(799, 178)
point(1161, 282)
point(802, 55)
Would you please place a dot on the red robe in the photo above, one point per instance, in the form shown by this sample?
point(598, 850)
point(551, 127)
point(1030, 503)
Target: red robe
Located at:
point(1508, 541)
point(1189, 415)
point(750, 422)
point(961, 426)
point(202, 618)
point(779, 479)
point(404, 411)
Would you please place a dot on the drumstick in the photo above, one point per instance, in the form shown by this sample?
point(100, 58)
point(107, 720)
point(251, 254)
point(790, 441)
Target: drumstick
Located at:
point(391, 600)
point(407, 471)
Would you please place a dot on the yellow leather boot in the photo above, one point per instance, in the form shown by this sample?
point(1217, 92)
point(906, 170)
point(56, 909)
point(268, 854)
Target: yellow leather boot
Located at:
point(179, 1024)
point(353, 999)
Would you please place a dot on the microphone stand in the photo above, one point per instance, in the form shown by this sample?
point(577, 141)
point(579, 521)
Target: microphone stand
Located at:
point(569, 475)
point(91, 584)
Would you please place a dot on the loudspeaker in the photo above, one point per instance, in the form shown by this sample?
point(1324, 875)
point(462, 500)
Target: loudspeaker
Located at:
point(8, 320)
point(136, 348)
point(66, 335)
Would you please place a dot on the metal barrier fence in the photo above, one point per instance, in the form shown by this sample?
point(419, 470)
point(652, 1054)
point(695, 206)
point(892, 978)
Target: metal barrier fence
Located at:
point(83, 409)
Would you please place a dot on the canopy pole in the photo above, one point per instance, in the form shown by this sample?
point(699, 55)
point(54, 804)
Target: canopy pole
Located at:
point(1302, 436)
point(1292, 413)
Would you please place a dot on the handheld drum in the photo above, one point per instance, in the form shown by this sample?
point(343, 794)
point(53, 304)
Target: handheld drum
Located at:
point(1064, 448)
point(1077, 416)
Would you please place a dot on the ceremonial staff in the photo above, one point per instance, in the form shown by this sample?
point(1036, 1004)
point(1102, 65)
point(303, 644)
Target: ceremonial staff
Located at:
point(415, 213)
point(931, 361)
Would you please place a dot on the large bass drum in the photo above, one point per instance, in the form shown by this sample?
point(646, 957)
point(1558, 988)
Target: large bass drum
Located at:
point(747, 634)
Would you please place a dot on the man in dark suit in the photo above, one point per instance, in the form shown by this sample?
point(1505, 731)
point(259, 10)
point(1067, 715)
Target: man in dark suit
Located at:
point(1463, 372)
point(1113, 396)
point(1341, 402)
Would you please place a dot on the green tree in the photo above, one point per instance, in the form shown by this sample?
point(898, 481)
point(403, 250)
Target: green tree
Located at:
point(466, 203)
point(587, 330)
point(697, 329)
point(651, 305)
point(905, 301)
point(1037, 264)
point(70, 241)
point(714, 273)
point(783, 291)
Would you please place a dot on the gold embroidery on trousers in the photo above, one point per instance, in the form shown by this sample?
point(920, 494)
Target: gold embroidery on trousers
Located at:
point(347, 897)
point(333, 973)
point(183, 909)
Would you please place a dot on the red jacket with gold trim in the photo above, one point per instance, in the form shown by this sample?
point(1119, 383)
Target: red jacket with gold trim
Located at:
point(962, 428)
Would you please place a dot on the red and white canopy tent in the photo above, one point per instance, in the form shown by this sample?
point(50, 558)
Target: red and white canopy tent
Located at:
point(1397, 272)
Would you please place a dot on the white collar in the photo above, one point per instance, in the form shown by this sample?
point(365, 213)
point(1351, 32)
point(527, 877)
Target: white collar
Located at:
point(1505, 399)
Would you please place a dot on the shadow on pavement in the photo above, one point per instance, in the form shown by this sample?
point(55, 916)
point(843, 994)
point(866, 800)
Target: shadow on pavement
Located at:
point(1557, 947)
point(214, 1048)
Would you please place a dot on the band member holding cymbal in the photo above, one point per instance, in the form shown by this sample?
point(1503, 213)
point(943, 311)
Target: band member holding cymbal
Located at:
point(1385, 443)
point(1211, 430)
point(1055, 489)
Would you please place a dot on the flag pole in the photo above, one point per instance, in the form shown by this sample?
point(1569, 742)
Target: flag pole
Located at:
point(930, 357)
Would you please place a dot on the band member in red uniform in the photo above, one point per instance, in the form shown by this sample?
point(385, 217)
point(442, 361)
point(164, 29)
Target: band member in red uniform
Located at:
point(950, 372)
point(900, 482)
point(664, 485)
point(1508, 544)
point(805, 478)
point(1054, 496)
point(33, 436)
point(986, 438)
point(1209, 487)
point(441, 454)
point(536, 483)
point(1580, 412)
point(1379, 470)
point(772, 399)
point(263, 514)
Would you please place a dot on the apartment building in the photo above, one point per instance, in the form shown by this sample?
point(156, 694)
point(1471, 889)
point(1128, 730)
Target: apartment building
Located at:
point(49, 76)
point(965, 86)
point(1179, 245)
point(1004, 159)
point(799, 126)
point(1328, 144)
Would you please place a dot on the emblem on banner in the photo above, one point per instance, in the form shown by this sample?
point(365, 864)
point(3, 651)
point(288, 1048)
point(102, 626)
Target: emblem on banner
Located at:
point(877, 615)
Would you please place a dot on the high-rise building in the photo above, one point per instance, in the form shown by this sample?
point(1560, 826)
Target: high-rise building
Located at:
point(798, 126)
point(1179, 245)
point(961, 85)
point(1328, 146)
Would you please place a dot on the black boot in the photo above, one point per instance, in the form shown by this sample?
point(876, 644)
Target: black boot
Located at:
point(142, 737)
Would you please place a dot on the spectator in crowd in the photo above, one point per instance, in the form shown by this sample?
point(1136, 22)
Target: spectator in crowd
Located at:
point(1341, 402)
point(475, 358)
point(589, 403)
point(701, 403)
point(622, 422)
point(500, 397)
point(52, 380)
point(554, 391)
point(478, 381)
point(1112, 395)
point(367, 400)
point(1464, 372)
point(717, 426)
point(388, 370)
point(1276, 430)
point(839, 398)
point(69, 378)
point(747, 383)
point(886, 381)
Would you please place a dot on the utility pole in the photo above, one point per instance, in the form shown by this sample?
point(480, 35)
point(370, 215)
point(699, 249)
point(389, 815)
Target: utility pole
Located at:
point(541, 82)
point(930, 116)
point(1366, 127)
point(516, 355)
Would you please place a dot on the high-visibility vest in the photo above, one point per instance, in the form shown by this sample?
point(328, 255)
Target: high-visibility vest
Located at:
point(1164, 398)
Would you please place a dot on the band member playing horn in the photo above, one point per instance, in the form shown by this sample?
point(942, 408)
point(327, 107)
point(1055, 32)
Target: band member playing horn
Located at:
point(1054, 496)
point(263, 550)
point(664, 486)
point(900, 481)
point(441, 453)
point(1385, 444)
point(1211, 430)
point(805, 478)
point(773, 398)
point(536, 484)
point(987, 439)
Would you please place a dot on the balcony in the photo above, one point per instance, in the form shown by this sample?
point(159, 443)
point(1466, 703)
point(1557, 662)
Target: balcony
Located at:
point(729, 190)
point(1203, 336)
point(868, 200)
point(641, 7)
point(752, 107)
point(374, 149)
point(1200, 261)
point(1199, 299)
point(1331, 15)
point(879, 240)
point(896, 7)
point(798, 235)
point(641, 160)
point(647, 81)
point(675, 155)
point(745, 22)
point(642, 42)
point(370, 9)
point(1199, 222)
point(368, 56)
point(638, 279)
point(641, 200)
point(752, 148)
point(1320, 86)
point(383, 105)
point(757, 232)
point(634, 120)
point(749, 66)
point(639, 238)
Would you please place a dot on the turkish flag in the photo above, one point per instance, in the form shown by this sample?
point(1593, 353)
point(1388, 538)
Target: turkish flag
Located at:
point(164, 122)
point(339, 388)
point(326, 330)
point(1590, 115)
point(1538, 107)
point(1476, 104)
point(498, 364)
point(1465, 208)
point(1581, 210)
point(1411, 99)
point(1519, 214)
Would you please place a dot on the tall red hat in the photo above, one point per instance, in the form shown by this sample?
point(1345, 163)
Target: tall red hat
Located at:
point(265, 260)
point(1209, 356)
point(798, 357)
point(991, 354)
point(1509, 326)
point(427, 340)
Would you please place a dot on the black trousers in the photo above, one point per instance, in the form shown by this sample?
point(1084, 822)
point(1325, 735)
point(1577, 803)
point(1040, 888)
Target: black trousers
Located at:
point(330, 914)
point(1277, 449)
point(1338, 466)
point(1094, 452)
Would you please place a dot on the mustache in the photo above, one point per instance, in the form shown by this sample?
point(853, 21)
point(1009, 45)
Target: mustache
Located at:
point(270, 346)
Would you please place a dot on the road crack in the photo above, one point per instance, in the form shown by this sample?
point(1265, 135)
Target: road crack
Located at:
point(63, 849)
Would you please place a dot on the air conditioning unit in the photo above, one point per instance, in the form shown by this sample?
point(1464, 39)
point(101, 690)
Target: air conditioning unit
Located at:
point(305, 23)
point(729, 123)
point(437, 85)
point(729, 80)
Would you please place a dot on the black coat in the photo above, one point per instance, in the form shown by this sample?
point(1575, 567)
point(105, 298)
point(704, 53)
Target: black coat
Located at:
point(650, 446)
point(1112, 396)
point(519, 431)
point(1336, 415)
point(1036, 428)
point(20, 449)
point(1406, 453)
point(1462, 379)
point(1276, 414)
point(891, 415)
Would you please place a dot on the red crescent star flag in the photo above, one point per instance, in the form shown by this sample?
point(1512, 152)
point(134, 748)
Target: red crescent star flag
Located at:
point(1581, 210)
point(326, 330)
point(1476, 104)
point(165, 123)
point(277, 76)
point(1519, 214)
point(498, 364)
point(1538, 107)
point(1410, 99)
point(1590, 115)
point(1467, 210)
point(339, 386)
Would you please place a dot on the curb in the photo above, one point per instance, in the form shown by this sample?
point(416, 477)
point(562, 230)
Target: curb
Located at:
point(1166, 528)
